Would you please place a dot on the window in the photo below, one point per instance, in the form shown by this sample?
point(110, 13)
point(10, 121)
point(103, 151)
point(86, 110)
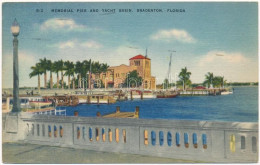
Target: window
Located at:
point(161, 138)
point(90, 133)
point(169, 139)
point(97, 134)
point(61, 131)
point(186, 140)
point(103, 134)
point(243, 142)
point(145, 137)
point(84, 133)
point(38, 130)
point(110, 135)
point(124, 135)
point(117, 135)
point(177, 136)
point(194, 140)
point(254, 145)
point(153, 137)
point(137, 63)
point(55, 131)
point(32, 129)
point(232, 143)
point(78, 132)
point(43, 130)
point(49, 130)
point(204, 141)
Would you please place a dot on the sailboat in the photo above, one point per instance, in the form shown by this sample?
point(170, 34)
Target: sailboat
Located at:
point(168, 93)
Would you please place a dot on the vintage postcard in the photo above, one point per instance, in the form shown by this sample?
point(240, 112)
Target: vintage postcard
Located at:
point(130, 82)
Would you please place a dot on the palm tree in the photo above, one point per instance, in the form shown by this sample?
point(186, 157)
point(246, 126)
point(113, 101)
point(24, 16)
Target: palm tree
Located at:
point(219, 81)
point(184, 76)
point(51, 69)
point(44, 65)
point(78, 70)
point(69, 67)
point(62, 68)
point(37, 70)
point(56, 68)
point(104, 67)
point(208, 79)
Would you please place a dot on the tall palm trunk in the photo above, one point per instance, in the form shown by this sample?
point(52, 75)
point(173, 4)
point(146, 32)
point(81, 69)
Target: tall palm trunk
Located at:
point(51, 80)
point(83, 83)
point(62, 80)
point(45, 79)
point(69, 81)
point(58, 80)
point(79, 81)
point(73, 82)
point(39, 83)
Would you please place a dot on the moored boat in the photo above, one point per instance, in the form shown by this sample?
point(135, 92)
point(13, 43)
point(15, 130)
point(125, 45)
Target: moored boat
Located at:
point(167, 94)
point(39, 102)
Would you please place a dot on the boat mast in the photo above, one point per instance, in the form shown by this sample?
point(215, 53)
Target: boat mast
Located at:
point(170, 67)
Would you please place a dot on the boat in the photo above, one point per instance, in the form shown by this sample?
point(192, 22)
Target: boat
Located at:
point(226, 92)
point(39, 102)
point(167, 94)
point(96, 99)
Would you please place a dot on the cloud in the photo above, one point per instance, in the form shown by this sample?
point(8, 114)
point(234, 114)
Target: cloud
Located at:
point(68, 44)
point(91, 44)
point(234, 66)
point(173, 35)
point(57, 24)
point(222, 57)
point(76, 44)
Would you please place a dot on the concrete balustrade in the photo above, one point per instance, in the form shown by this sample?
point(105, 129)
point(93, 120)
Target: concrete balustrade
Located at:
point(190, 140)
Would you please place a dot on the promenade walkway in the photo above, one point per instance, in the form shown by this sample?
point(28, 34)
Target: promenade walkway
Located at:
point(30, 153)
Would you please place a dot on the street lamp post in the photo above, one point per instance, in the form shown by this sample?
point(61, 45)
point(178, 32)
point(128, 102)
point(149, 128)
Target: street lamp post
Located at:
point(15, 28)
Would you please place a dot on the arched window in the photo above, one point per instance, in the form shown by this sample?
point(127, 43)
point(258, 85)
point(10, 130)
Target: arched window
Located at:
point(177, 136)
point(84, 133)
point(110, 135)
point(204, 141)
point(194, 140)
point(243, 142)
point(254, 144)
point(32, 129)
point(38, 130)
point(61, 131)
point(103, 135)
point(232, 143)
point(153, 137)
point(78, 132)
point(97, 134)
point(169, 139)
point(43, 130)
point(90, 133)
point(161, 138)
point(124, 135)
point(145, 137)
point(55, 131)
point(186, 140)
point(49, 130)
point(117, 135)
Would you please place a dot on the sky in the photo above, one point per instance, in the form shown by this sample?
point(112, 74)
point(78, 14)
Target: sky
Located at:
point(208, 37)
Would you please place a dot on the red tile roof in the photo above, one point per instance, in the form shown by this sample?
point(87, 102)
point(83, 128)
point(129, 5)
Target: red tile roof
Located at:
point(139, 57)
